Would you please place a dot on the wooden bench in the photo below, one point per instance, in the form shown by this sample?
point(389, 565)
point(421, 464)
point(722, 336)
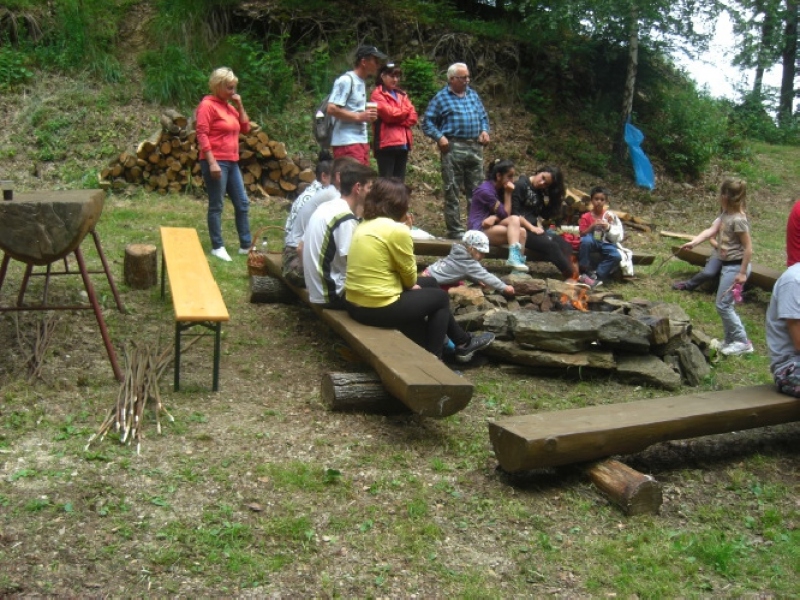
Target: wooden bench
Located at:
point(760, 276)
point(441, 247)
point(196, 298)
point(577, 435)
point(408, 372)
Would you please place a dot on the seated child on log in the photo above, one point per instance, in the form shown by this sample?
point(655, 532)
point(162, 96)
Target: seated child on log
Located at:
point(463, 262)
point(600, 230)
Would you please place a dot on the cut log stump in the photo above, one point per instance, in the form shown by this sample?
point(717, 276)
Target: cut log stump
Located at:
point(270, 290)
point(359, 392)
point(141, 266)
point(634, 492)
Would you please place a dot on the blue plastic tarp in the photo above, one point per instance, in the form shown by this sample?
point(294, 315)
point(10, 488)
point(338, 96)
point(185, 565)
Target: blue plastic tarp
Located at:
point(641, 164)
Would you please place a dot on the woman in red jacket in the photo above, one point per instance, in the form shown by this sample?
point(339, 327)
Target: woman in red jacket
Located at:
point(219, 119)
point(392, 130)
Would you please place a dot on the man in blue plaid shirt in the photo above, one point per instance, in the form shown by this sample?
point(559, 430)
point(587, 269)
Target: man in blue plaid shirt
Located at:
point(458, 123)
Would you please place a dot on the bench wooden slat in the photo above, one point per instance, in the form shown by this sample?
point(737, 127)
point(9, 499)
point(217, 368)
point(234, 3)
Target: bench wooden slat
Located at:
point(576, 435)
point(440, 247)
point(760, 276)
point(409, 373)
point(195, 293)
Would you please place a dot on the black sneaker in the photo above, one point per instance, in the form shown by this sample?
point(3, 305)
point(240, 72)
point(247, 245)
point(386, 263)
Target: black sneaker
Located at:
point(476, 342)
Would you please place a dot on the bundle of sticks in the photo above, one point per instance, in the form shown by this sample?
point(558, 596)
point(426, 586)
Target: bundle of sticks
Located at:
point(143, 369)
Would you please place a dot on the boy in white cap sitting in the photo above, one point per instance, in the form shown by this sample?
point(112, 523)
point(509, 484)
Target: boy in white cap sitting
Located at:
point(463, 262)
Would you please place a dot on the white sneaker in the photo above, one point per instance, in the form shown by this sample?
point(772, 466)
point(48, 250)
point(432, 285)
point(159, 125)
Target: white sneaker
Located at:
point(221, 253)
point(737, 348)
point(244, 250)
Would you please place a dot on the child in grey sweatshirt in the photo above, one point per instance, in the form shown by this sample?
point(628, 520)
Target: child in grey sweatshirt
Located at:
point(463, 262)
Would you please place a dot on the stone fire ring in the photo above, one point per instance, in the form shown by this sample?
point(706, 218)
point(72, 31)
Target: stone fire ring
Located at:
point(42, 227)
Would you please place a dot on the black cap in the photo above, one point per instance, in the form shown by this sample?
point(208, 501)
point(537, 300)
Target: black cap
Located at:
point(367, 51)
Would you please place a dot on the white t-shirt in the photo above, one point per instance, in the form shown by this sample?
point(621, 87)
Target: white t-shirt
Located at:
point(304, 214)
point(298, 203)
point(326, 243)
point(346, 133)
point(785, 304)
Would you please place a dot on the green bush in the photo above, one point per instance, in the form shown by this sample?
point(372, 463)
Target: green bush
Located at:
point(266, 81)
point(170, 77)
point(82, 36)
point(13, 67)
point(419, 80)
point(687, 131)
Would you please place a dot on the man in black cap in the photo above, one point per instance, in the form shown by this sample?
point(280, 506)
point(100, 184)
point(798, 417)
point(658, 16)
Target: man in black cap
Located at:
point(348, 104)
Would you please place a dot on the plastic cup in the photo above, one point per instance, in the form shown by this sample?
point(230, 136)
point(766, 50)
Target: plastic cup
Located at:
point(8, 189)
point(372, 106)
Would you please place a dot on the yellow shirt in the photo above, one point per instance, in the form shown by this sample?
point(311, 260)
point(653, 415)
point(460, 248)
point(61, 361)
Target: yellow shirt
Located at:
point(380, 263)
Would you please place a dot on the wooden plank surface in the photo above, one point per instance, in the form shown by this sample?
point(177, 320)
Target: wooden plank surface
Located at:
point(576, 435)
point(195, 293)
point(760, 276)
point(408, 372)
point(441, 247)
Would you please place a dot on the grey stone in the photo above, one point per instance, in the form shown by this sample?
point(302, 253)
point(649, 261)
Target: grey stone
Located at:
point(693, 364)
point(648, 370)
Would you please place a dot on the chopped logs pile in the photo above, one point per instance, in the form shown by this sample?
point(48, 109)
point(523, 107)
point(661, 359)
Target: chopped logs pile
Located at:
point(168, 162)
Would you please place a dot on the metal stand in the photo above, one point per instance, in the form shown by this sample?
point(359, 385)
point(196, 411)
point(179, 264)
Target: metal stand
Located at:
point(84, 273)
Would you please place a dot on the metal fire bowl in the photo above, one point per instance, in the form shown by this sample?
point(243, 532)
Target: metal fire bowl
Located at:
point(42, 227)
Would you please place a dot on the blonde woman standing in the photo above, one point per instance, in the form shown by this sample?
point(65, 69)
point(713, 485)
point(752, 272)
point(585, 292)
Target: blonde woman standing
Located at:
point(220, 118)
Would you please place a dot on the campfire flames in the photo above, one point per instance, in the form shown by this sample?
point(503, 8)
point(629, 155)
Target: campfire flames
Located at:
point(579, 299)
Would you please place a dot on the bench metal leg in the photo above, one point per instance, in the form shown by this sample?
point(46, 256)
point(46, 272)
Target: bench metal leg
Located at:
point(177, 384)
point(217, 335)
point(216, 327)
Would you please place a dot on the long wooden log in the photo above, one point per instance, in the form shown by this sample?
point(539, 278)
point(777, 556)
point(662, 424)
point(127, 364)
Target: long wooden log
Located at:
point(760, 276)
point(634, 492)
point(409, 373)
point(439, 247)
point(581, 434)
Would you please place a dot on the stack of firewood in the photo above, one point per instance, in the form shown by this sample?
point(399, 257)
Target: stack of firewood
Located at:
point(168, 162)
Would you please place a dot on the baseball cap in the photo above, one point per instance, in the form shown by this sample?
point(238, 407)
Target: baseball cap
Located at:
point(367, 51)
point(476, 239)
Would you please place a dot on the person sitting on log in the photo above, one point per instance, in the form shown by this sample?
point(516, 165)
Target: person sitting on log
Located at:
point(598, 236)
point(382, 287)
point(783, 317)
point(292, 266)
point(537, 198)
point(326, 242)
point(293, 269)
point(464, 262)
point(490, 212)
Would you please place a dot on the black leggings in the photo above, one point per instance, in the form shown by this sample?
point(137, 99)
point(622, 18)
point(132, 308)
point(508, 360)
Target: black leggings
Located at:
point(392, 162)
point(422, 315)
point(554, 248)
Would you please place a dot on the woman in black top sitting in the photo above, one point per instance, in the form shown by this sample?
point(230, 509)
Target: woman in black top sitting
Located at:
point(540, 197)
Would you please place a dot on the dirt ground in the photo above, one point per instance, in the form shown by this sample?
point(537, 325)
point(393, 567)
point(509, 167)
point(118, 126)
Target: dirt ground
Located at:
point(260, 486)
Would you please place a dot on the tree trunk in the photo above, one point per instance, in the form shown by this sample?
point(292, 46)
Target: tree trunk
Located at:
point(141, 266)
point(620, 148)
point(634, 492)
point(789, 55)
point(267, 290)
point(362, 392)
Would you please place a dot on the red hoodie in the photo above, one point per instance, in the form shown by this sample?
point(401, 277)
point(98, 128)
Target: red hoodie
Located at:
point(396, 116)
point(217, 125)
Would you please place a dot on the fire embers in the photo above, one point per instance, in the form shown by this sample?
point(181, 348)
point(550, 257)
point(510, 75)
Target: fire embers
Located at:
point(578, 299)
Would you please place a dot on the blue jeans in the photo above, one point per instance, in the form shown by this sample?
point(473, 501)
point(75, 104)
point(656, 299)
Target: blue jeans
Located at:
point(731, 323)
point(231, 182)
point(609, 256)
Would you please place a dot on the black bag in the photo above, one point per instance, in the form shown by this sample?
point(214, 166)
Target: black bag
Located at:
point(322, 125)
